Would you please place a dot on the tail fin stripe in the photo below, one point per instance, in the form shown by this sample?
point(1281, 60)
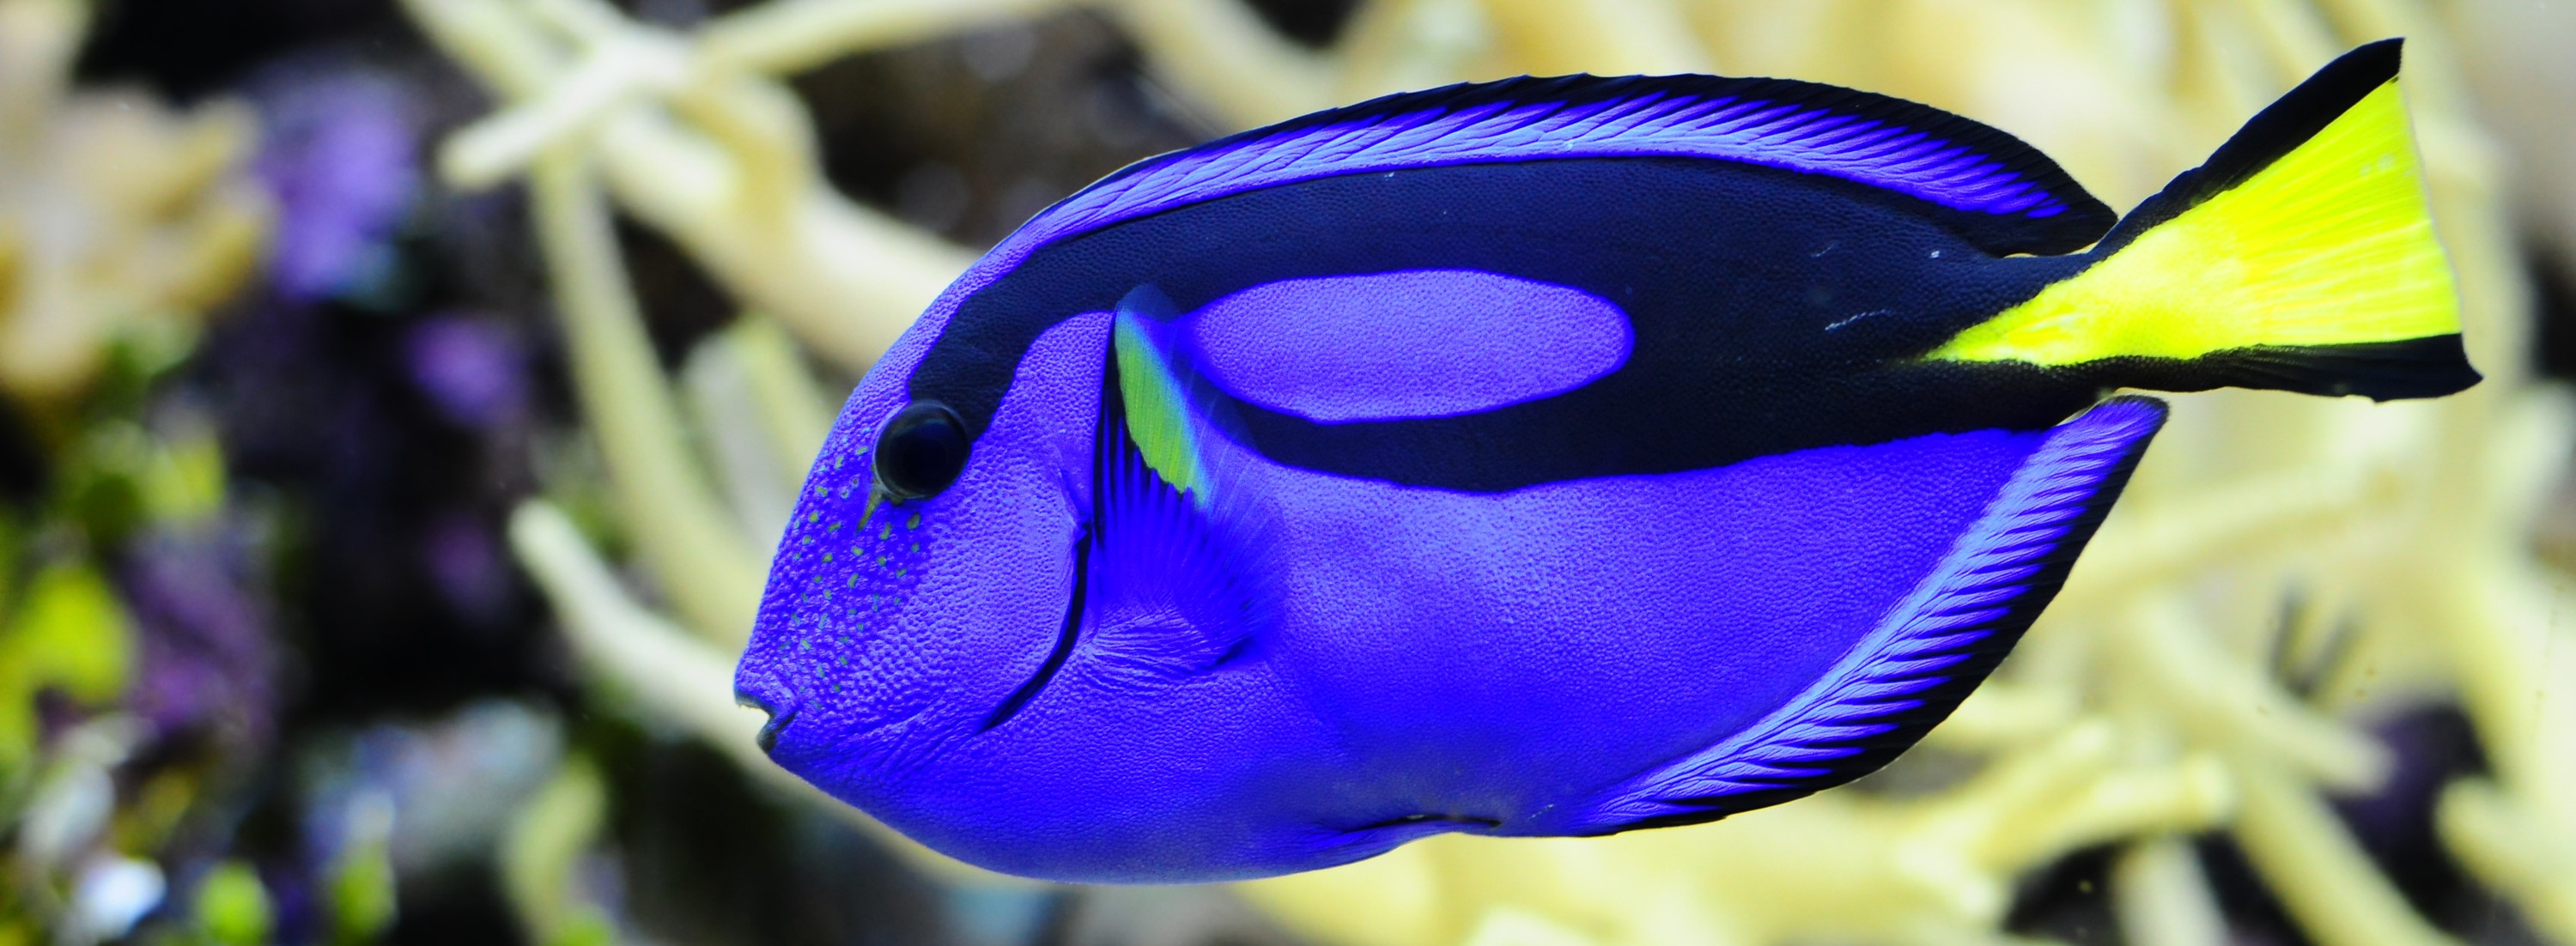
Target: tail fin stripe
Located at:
point(2301, 257)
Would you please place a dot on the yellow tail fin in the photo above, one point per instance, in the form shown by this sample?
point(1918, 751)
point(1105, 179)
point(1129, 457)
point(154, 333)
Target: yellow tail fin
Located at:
point(2301, 257)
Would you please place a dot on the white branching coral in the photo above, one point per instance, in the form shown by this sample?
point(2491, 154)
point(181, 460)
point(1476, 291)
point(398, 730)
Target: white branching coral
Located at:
point(118, 216)
point(2378, 551)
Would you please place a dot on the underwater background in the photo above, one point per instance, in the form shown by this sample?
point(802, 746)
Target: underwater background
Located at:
point(399, 400)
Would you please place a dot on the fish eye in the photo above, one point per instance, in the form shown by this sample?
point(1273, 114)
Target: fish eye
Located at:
point(920, 451)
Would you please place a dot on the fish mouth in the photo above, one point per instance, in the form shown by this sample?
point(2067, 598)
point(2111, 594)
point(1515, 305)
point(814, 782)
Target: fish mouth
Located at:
point(767, 738)
point(1064, 640)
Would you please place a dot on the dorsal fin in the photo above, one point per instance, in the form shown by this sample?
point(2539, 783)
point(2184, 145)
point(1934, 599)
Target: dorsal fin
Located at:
point(1995, 191)
point(1923, 658)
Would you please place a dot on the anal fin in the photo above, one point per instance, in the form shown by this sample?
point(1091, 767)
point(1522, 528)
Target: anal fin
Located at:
point(1930, 651)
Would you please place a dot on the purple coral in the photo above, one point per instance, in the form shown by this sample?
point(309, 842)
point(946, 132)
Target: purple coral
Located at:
point(209, 657)
point(341, 156)
point(474, 371)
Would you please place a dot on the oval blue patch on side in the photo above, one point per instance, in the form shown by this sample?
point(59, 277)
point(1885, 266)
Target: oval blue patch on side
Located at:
point(1417, 343)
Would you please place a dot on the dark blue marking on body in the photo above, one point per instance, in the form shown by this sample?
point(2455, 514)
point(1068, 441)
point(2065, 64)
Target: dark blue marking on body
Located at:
point(1731, 356)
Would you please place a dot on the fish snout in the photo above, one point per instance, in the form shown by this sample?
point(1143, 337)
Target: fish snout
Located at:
point(769, 697)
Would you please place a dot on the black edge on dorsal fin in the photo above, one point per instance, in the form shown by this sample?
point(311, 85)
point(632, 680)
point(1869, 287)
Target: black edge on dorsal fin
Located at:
point(2278, 129)
point(1968, 163)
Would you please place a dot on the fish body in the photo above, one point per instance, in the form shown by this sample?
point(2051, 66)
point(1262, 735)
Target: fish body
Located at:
point(1544, 457)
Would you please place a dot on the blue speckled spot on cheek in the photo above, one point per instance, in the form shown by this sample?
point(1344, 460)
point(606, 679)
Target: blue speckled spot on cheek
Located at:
point(850, 579)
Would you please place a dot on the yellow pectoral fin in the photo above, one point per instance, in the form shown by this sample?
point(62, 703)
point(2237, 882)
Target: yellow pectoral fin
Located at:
point(1158, 408)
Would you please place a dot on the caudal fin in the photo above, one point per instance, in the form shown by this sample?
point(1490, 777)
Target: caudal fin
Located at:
point(2301, 257)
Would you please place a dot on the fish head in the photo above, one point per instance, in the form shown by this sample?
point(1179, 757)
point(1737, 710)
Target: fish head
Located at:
point(926, 656)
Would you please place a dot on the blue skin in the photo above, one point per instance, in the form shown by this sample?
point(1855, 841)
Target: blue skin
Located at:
point(1600, 490)
point(1362, 661)
point(1430, 660)
point(1207, 763)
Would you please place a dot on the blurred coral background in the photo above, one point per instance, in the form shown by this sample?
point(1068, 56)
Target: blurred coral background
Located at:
point(399, 398)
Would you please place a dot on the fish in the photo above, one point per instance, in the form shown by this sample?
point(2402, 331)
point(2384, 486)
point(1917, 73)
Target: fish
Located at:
point(1540, 457)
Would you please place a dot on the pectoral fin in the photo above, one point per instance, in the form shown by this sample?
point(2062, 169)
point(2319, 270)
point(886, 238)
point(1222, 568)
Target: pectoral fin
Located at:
point(1173, 588)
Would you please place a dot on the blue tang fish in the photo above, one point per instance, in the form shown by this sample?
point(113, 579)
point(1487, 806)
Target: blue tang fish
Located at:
point(1538, 457)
